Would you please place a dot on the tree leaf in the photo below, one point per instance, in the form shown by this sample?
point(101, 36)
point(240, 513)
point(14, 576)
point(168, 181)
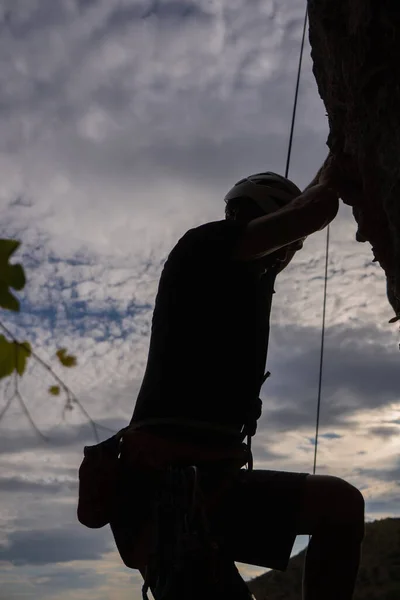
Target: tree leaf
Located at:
point(7, 357)
point(23, 352)
point(54, 390)
point(11, 276)
point(13, 356)
point(67, 360)
point(7, 300)
point(8, 247)
point(17, 277)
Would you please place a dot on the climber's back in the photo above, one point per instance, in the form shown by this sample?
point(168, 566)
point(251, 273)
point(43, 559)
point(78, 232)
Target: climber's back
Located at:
point(210, 325)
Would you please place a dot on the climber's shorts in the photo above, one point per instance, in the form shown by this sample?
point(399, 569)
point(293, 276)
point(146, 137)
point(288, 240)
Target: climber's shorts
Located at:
point(258, 516)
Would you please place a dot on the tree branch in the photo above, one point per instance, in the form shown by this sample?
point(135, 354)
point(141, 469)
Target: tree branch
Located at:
point(71, 397)
point(28, 415)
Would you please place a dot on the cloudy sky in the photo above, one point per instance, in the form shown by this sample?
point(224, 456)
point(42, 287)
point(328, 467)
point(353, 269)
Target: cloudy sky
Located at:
point(122, 124)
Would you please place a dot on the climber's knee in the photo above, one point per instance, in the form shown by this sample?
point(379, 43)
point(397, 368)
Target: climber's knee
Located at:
point(332, 505)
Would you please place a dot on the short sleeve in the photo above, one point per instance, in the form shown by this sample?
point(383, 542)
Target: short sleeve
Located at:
point(208, 245)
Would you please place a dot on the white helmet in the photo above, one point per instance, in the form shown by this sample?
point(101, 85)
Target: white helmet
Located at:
point(269, 190)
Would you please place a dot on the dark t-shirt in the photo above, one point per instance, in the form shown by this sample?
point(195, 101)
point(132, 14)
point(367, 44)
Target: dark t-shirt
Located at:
point(209, 331)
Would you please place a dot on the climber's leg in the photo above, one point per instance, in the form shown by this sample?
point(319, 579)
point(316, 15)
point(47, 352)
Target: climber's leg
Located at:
point(333, 514)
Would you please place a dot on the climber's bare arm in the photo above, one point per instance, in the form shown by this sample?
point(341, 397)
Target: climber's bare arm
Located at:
point(326, 174)
point(312, 211)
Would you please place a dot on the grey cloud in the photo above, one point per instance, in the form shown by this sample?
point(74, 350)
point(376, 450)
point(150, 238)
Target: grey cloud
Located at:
point(14, 485)
point(386, 506)
point(308, 449)
point(122, 15)
point(39, 547)
point(55, 580)
point(391, 475)
point(85, 4)
point(15, 441)
point(199, 163)
point(263, 453)
point(357, 375)
point(19, 22)
point(66, 94)
point(331, 436)
point(384, 432)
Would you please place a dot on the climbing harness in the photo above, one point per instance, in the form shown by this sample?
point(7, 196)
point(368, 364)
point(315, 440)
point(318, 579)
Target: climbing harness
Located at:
point(188, 560)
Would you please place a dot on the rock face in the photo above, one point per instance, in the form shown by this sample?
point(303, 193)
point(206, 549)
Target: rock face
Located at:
point(356, 55)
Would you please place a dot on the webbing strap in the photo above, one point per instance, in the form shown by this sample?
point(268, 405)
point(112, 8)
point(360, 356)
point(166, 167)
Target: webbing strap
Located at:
point(180, 504)
point(187, 423)
point(246, 432)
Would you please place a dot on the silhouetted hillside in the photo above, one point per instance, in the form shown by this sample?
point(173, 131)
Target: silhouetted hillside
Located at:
point(378, 578)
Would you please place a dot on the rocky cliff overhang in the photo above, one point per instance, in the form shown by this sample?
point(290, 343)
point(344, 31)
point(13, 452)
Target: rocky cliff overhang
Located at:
point(356, 56)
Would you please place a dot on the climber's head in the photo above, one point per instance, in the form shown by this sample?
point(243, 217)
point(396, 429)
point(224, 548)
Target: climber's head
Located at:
point(259, 195)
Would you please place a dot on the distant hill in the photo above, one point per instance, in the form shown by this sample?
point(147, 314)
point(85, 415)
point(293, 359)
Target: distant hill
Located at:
point(378, 578)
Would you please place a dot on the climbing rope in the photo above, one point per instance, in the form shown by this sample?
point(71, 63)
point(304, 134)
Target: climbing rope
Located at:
point(296, 96)
point(321, 357)
point(289, 154)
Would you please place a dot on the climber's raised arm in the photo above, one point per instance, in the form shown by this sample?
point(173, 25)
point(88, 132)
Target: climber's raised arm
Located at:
point(311, 211)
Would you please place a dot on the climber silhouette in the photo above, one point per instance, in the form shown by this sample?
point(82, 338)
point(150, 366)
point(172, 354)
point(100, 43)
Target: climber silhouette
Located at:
point(206, 365)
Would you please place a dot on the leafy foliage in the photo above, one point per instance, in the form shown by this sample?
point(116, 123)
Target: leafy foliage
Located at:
point(6, 357)
point(54, 390)
point(23, 352)
point(13, 356)
point(11, 275)
point(67, 360)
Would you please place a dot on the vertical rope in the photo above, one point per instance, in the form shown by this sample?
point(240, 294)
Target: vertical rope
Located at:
point(321, 358)
point(289, 154)
point(296, 96)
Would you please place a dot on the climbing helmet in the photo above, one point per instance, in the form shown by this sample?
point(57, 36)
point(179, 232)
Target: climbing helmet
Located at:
point(269, 190)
